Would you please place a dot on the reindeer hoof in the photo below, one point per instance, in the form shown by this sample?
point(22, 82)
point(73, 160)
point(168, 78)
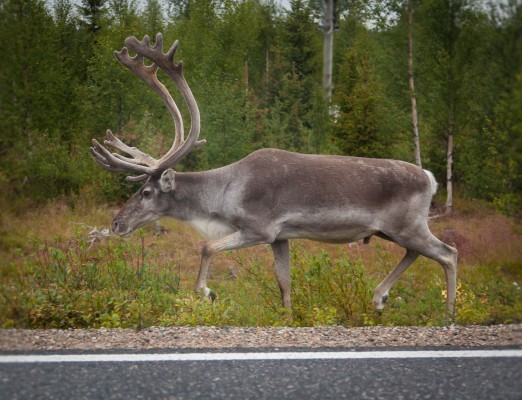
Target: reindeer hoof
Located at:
point(378, 302)
point(212, 296)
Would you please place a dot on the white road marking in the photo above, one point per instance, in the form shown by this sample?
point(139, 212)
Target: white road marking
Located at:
point(308, 355)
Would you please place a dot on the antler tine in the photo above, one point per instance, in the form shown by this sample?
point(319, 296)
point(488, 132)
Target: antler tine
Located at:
point(138, 156)
point(108, 161)
point(139, 178)
point(114, 162)
point(159, 41)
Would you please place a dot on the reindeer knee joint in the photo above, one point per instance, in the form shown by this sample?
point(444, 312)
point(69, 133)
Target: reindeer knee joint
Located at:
point(206, 250)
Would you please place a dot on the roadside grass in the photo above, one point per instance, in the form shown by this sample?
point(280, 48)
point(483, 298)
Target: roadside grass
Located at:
point(53, 274)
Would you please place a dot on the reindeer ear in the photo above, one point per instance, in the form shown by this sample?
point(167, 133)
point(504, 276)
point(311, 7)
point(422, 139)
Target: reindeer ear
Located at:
point(167, 181)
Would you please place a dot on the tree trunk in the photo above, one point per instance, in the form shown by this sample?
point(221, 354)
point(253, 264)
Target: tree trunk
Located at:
point(451, 104)
point(414, 115)
point(245, 77)
point(328, 29)
point(449, 171)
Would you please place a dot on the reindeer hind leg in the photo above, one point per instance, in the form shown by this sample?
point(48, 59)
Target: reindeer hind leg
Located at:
point(282, 269)
point(425, 243)
point(382, 290)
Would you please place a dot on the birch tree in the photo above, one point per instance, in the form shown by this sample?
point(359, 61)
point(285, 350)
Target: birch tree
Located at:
point(411, 82)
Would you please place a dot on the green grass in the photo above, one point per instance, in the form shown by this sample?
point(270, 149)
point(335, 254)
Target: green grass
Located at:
point(51, 277)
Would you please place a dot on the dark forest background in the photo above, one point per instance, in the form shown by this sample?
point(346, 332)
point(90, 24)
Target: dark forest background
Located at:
point(256, 71)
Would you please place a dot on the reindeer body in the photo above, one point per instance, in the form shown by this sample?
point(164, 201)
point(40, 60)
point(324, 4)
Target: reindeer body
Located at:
point(272, 196)
point(288, 195)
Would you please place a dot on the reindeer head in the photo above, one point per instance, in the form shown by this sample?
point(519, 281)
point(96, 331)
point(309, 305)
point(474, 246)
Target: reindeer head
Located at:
point(149, 203)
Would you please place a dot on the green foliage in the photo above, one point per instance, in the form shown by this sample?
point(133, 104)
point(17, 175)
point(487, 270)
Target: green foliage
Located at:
point(492, 300)
point(364, 127)
point(52, 169)
point(230, 126)
point(330, 292)
point(256, 74)
point(492, 164)
point(69, 287)
point(92, 13)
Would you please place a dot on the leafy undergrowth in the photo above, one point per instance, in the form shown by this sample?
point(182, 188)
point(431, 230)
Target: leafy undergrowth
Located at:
point(57, 272)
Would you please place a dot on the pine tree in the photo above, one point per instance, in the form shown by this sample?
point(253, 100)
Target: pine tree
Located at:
point(91, 14)
point(360, 127)
point(154, 17)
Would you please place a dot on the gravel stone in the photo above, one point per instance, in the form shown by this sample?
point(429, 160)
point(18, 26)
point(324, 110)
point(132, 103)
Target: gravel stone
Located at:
point(266, 337)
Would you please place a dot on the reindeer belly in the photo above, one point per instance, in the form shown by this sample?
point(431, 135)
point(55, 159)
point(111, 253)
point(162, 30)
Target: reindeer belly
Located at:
point(328, 227)
point(212, 228)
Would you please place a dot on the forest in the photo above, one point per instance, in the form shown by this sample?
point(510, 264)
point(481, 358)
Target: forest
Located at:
point(255, 68)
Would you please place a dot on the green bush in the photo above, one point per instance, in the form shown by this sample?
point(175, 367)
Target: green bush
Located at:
point(324, 291)
point(70, 286)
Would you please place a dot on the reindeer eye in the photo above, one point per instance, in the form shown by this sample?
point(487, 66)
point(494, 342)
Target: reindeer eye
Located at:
point(146, 193)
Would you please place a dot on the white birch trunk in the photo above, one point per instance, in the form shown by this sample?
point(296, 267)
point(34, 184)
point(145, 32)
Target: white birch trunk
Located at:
point(414, 114)
point(449, 172)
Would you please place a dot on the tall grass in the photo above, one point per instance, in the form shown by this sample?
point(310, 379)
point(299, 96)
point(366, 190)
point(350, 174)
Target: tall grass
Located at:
point(52, 276)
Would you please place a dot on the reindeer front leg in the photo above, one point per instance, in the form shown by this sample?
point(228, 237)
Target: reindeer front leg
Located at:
point(236, 240)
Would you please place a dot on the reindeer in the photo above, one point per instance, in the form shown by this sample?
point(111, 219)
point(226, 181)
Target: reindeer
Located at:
point(272, 196)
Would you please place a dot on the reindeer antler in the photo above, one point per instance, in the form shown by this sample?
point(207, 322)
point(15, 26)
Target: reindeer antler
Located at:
point(140, 162)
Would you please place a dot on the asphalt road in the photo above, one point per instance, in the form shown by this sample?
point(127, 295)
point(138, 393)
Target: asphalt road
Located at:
point(366, 378)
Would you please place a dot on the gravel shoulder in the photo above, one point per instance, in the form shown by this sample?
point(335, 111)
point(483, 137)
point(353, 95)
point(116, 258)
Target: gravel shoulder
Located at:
point(233, 337)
